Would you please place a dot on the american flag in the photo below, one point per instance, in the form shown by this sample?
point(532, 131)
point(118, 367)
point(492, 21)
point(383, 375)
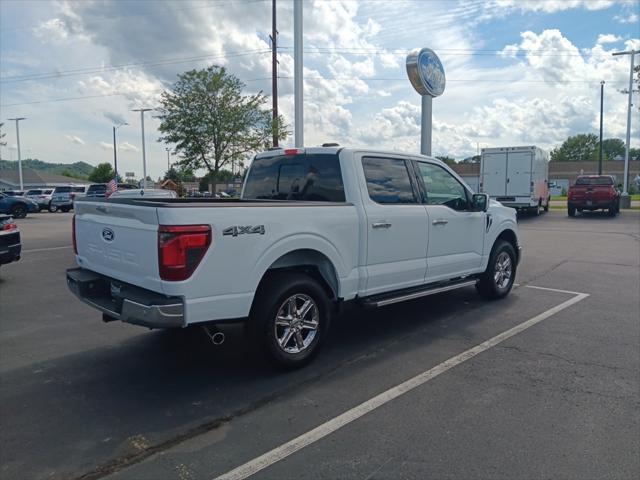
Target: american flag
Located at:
point(112, 186)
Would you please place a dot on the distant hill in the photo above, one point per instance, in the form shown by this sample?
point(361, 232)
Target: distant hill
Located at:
point(76, 170)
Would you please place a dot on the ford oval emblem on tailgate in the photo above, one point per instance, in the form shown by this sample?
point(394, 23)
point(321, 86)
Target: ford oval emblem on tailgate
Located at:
point(107, 234)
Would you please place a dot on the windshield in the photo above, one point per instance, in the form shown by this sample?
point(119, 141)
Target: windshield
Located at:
point(313, 177)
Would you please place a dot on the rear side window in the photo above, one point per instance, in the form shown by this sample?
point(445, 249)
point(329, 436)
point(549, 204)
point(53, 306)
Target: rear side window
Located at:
point(34, 192)
point(388, 180)
point(63, 189)
point(47, 192)
point(78, 189)
point(307, 177)
point(99, 188)
point(594, 181)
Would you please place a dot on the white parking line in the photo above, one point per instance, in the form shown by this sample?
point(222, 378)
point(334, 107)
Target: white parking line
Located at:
point(298, 443)
point(48, 249)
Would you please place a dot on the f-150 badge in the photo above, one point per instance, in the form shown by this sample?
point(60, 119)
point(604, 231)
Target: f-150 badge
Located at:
point(242, 230)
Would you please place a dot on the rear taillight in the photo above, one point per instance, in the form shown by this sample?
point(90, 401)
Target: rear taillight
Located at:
point(73, 234)
point(180, 249)
point(8, 226)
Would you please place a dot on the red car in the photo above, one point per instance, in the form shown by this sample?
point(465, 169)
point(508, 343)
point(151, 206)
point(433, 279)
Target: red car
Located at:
point(593, 192)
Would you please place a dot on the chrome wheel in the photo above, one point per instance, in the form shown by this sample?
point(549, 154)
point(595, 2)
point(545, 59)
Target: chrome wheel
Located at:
point(297, 323)
point(503, 270)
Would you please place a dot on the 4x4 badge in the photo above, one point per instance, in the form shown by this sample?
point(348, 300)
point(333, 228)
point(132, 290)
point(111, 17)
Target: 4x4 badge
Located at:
point(240, 230)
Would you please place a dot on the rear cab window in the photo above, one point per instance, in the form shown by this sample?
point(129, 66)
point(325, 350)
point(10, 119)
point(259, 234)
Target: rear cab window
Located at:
point(594, 181)
point(311, 177)
point(388, 180)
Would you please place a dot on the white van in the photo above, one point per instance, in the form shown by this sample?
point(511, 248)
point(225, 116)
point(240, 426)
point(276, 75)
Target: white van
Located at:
point(517, 177)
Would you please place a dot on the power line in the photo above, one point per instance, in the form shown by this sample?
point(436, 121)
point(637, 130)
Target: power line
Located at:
point(90, 70)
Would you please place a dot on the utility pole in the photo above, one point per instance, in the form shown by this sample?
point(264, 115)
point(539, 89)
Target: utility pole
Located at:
point(625, 200)
point(601, 105)
point(18, 144)
point(274, 71)
point(115, 150)
point(144, 155)
point(297, 74)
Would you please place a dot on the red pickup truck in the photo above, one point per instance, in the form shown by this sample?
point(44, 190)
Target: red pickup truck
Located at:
point(593, 192)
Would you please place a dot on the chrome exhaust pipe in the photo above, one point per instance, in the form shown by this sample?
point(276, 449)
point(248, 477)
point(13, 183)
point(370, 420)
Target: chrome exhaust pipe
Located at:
point(215, 335)
point(218, 338)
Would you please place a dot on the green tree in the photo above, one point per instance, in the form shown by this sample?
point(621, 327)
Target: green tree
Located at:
point(103, 173)
point(611, 148)
point(221, 176)
point(446, 159)
point(211, 123)
point(2, 135)
point(578, 148)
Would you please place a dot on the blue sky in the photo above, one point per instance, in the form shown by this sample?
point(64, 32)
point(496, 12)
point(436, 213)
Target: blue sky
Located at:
point(518, 71)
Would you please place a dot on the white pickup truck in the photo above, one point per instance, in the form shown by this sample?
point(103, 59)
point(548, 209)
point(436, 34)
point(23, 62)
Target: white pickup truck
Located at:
point(314, 228)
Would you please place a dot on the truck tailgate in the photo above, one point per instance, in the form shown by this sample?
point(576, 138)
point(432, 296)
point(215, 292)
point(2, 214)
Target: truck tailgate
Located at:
point(120, 241)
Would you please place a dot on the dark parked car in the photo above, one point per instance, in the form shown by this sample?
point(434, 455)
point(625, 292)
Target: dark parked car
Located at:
point(9, 240)
point(593, 192)
point(13, 193)
point(17, 207)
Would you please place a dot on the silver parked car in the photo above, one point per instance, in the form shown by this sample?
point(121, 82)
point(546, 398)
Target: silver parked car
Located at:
point(42, 196)
point(62, 198)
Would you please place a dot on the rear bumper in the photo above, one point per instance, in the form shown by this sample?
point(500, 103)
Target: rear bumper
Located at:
point(9, 253)
point(125, 302)
point(595, 204)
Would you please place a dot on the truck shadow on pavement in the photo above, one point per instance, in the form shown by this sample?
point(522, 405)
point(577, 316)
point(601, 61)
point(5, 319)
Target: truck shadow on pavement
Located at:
point(89, 411)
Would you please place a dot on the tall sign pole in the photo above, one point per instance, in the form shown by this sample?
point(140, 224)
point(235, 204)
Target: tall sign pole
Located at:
point(17, 120)
point(625, 199)
point(144, 154)
point(601, 105)
point(426, 74)
point(274, 71)
point(297, 74)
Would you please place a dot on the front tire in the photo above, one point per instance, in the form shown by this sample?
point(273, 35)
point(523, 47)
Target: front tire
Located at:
point(19, 211)
point(497, 280)
point(53, 208)
point(289, 319)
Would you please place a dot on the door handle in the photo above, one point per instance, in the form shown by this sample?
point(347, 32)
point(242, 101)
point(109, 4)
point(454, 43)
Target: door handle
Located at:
point(381, 225)
point(440, 221)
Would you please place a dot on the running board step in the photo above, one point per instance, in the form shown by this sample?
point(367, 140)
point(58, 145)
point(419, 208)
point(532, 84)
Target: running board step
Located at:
point(404, 295)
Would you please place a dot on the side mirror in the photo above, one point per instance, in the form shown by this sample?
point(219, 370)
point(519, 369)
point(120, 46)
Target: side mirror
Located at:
point(480, 202)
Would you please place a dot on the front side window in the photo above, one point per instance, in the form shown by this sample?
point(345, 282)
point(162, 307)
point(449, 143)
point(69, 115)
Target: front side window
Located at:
point(306, 177)
point(388, 180)
point(442, 188)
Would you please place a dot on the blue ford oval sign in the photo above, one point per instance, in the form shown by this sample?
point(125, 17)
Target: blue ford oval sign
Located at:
point(426, 72)
point(107, 234)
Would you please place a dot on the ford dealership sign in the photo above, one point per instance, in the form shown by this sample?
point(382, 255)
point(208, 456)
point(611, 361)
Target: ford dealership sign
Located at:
point(426, 72)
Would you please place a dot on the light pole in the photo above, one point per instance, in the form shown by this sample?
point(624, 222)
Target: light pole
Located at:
point(625, 200)
point(144, 155)
point(298, 84)
point(601, 105)
point(18, 143)
point(115, 150)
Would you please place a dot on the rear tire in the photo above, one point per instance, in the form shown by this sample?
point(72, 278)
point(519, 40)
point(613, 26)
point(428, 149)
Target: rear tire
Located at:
point(289, 319)
point(19, 211)
point(571, 211)
point(546, 207)
point(612, 210)
point(497, 280)
point(65, 209)
point(53, 208)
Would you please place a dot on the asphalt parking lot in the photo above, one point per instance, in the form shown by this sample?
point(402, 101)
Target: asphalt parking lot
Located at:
point(553, 391)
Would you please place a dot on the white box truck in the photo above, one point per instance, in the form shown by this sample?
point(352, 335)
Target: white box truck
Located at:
point(517, 177)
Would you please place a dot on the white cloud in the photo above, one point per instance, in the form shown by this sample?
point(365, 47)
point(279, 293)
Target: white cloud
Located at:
point(75, 139)
point(52, 29)
point(608, 38)
point(548, 6)
point(631, 18)
point(106, 146)
point(127, 147)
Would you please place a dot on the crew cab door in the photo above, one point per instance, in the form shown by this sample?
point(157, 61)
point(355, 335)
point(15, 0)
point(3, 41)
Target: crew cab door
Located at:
point(396, 227)
point(456, 233)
